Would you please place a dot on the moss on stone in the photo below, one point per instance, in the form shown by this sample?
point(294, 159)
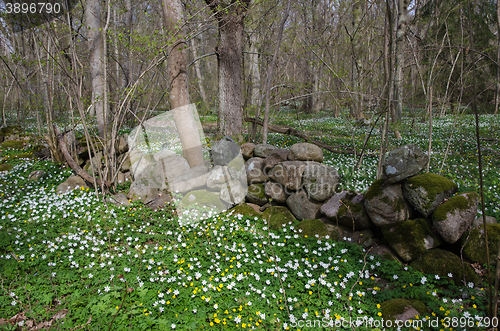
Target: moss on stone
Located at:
point(394, 307)
point(410, 234)
point(257, 190)
point(475, 247)
point(348, 207)
point(433, 184)
point(440, 262)
point(276, 216)
point(458, 202)
point(374, 190)
point(10, 130)
point(12, 144)
point(244, 209)
point(311, 228)
point(202, 198)
point(5, 167)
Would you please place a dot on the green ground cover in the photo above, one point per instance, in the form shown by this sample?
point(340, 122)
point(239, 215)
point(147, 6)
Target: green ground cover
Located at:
point(128, 268)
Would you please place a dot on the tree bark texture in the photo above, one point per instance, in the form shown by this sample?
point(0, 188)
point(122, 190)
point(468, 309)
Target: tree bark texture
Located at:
point(229, 60)
point(179, 93)
point(398, 63)
point(95, 46)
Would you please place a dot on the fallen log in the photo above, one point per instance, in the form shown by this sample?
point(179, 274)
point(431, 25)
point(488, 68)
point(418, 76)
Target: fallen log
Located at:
point(73, 165)
point(296, 133)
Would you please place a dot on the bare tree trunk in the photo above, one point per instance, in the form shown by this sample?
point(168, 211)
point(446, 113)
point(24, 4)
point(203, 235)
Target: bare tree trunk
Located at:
point(497, 92)
point(179, 92)
point(197, 70)
point(255, 97)
point(398, 63)
point(229, 60)
point(95, 45)
point(270, 71)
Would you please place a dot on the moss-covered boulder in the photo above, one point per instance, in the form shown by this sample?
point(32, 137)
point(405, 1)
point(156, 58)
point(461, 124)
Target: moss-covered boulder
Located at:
point(256, 194)
point(302, 206)
point(12, 144)
point(72, 183)
point(277, 216)
point(347, 208)
point(402, 309)
point(246, 210)
point(475, 246)
point(313, 228)
point(385, 204)
point(440, 262)
point(202, 198)
point(453, 218)
point(11, 129)
point(410, 239)
point(5, 167)
point(427, 191)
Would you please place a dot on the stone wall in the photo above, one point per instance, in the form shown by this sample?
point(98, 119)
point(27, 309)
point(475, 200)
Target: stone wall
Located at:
point(406, 213)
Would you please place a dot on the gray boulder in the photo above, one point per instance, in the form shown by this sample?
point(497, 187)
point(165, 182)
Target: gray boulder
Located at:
point(320, 181)
point(302, 207)
point(479, 221)
point(72, 183)
point(277, 156)
point(254, 169)
point(233, 193)
point(190, 179)
point(410, 239)
point(263, 150)
point(247, 150)
point(146, 186)
point(427, 191)
point(305, 152)
point(455, 216)
point(119, 199)
point(224, 151)
point(404, 162)
point(139, 161)
point(347, 208)
point(36, 175)
point(288, 174)
point(220, 175)
point(172, 167)
point(385, 204)
point(256, 194)
point(276, 192)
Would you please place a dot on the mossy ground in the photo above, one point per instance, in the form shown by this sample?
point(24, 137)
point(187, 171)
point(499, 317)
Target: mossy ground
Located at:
point(311, 228)
point(12, 144)
point(440, 262)
point(277, 216)
point(458, 202)
point(394, 307)
point(245, 209)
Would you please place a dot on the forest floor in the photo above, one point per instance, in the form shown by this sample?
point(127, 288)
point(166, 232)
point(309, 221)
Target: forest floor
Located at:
point(71, 261)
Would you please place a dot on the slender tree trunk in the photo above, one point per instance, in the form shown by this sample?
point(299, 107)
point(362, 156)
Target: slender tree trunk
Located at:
point(255, 97)
point(95, 45)
point(398, 63)
point(179, 92)
point(270, 71)
point(497, 92)
point(199, 77)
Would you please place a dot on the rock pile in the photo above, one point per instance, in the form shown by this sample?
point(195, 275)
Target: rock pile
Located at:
point(413, 213)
